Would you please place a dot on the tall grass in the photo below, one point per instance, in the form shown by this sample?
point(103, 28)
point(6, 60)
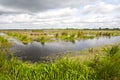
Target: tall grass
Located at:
point(100, 68)
point(66, 34)
point(22, 37)
point(42, 40)
point(107, 67)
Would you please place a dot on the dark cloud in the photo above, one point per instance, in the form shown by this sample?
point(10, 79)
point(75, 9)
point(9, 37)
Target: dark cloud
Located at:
point(9, 12)
point(42, 5)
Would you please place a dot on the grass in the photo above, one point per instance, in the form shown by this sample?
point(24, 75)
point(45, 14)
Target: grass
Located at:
point(42, 40)
point(4, 43)
point(22, 37)
point(61, 70)
point(104, 65)
point(92, 64)
point(56, 35)
point(69, 38)
point(107, 67)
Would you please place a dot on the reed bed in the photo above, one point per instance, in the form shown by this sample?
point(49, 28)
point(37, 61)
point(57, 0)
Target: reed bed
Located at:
point(101, 67)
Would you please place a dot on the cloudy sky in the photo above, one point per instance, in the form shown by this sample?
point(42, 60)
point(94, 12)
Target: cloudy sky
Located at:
point(39, 14)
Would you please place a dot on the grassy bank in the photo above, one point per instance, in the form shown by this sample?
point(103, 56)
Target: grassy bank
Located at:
point(104, 65)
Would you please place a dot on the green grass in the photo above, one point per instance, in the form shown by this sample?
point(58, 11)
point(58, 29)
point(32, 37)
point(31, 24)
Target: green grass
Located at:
point(93, 64)
point(69, 38)
point(100, 67)
point(4, 43)
point(42, 40)
point(22, 37)
point(65, 34)
point(107, 67)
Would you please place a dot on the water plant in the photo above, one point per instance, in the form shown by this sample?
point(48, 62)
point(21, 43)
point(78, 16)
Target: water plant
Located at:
point(68, 38)
point(22, 37)
point(42, 40)
point(99, 68)
point(4, 43)
point(79, 34)
point(56, 35)
point(104, 65)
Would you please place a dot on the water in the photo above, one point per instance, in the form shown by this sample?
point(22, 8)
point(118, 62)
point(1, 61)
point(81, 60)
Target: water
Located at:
point(2, 34)
point(35, 51)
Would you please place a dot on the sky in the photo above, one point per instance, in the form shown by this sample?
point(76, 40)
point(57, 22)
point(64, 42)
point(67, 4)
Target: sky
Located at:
point(45, 14)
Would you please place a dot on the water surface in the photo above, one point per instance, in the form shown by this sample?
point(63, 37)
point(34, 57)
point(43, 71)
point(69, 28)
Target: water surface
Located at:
point(35, 51)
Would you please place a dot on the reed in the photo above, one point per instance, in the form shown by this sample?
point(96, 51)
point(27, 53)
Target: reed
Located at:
point(101, 67)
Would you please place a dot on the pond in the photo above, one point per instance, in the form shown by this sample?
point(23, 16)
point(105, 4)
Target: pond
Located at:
point(35, 51)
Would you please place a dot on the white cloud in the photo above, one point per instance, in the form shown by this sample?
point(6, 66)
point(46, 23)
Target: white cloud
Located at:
point(57, 13)
point(103, 15)
point(47, 16)
point(100, 8)
point(15, 18)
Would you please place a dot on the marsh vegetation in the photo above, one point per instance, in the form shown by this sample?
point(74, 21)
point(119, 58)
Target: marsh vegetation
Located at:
point(90, 64)
point(56, 35)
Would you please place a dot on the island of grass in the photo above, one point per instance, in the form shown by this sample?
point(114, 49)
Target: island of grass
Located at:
point(51, 35)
